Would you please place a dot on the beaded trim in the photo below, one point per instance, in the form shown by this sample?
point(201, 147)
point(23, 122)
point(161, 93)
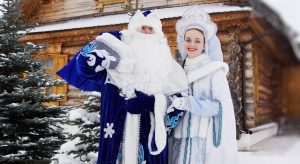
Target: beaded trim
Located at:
point(217, 139)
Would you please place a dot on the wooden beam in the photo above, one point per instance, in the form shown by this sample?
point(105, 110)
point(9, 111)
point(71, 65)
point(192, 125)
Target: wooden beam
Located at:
point(27, 7)
point(273, 41)
point(101, 3)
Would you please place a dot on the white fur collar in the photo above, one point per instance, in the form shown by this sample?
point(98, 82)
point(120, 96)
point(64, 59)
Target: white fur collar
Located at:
point(195, 60)
point(200, 72)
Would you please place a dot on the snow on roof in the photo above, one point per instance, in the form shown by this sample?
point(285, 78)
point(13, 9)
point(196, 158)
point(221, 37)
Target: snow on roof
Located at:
point(124, 18)
point(288, 11)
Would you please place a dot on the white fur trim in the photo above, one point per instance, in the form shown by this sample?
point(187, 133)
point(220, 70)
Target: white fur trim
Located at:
point(138, 20)
point(182, 149)
point(158, 125)
point(204, 124)
point(131, 139)
point(205, 70)
point(126, 37)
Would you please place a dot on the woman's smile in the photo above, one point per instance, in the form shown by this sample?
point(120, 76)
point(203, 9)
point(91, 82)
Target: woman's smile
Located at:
point(192, 49)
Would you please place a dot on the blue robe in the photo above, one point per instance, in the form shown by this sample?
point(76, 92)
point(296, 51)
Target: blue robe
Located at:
point(112, 119)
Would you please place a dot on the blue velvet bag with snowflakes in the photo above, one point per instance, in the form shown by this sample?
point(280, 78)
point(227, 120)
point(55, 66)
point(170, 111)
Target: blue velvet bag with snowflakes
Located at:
point(71, 74)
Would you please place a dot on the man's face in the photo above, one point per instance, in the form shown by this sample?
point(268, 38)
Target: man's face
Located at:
point(146, 29)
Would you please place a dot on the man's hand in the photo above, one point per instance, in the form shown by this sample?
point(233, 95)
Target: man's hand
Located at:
point(142, 103)
point(180, 103)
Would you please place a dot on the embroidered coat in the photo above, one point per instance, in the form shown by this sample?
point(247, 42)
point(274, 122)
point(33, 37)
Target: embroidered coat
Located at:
point(91, 70)
point(207, 134)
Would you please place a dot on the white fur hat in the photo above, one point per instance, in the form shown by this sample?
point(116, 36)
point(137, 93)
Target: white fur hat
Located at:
point(194, 18)
point(152, 20)
point(138, 20)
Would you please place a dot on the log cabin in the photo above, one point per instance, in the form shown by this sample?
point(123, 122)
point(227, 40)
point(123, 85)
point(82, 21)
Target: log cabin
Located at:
point(262, 59)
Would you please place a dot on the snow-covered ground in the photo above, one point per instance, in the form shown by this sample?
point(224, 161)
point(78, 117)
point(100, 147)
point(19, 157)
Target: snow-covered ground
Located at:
point(282, 149)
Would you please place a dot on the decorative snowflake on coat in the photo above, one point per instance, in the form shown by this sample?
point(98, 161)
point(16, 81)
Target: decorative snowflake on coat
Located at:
point(172, 122)
point(88, 48)
point(109, 131)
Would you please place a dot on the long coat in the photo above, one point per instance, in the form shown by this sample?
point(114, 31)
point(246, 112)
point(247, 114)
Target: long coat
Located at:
point(203, 137)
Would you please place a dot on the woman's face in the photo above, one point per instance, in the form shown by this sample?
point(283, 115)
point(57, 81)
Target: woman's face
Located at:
point(193, 43)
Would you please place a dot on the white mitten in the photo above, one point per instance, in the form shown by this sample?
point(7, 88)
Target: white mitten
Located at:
point(181, 103)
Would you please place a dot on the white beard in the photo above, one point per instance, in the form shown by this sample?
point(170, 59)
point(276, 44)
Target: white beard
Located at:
point(153, 64)
point(146, 65)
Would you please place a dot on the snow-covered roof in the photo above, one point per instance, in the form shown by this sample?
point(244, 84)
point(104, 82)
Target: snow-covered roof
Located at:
point(124, 18)
point(288, 11)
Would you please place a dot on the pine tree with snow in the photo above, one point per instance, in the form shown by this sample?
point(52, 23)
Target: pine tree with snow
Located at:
point(82, 129)
point(28, 129)
point(90, 128)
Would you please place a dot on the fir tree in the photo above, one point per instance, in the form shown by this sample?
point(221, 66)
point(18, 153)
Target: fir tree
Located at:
point(28, 129)
point(90, 129)
point(82, 145)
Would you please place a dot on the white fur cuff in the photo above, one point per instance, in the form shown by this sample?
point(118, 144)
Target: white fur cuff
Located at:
point(158, 124)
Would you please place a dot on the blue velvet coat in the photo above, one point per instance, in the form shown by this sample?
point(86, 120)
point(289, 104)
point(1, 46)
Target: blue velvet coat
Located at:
point(112, 119)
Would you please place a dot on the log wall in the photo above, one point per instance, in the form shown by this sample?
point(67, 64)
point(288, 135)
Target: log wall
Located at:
point(46, 11)
point(267, 86)
point(232, 30)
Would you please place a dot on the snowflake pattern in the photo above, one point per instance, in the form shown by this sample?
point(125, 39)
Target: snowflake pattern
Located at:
point(88, 48)
point(92, 60)
point(172, 122)
point(109, 131)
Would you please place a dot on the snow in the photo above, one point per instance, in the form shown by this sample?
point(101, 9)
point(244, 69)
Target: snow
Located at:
point(70, 145)
point(124, 18)
point(95, 94)
point(281, 149)
point(83, 115)
point(258, 134)
point(13, 105)
point(288, 11)
point(277, 150)
point(54, 96)
point(63, 157)
point(1, 1)
point(70, 159)
point(263, 127)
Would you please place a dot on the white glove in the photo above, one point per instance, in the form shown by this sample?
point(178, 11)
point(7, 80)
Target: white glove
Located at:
point(181, 103)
